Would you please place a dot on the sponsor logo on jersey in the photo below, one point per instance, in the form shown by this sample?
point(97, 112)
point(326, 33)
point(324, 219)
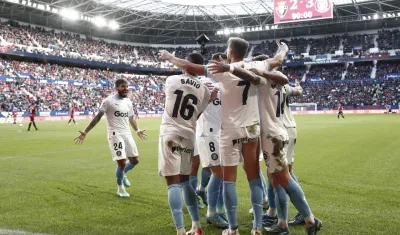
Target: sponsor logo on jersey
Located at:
point(240, 141)
point(217, 102)
point(120, 114)
point(180, 149)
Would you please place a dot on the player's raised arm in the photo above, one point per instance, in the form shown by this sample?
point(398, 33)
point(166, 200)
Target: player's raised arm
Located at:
point(183, 64)
point(93, 123)
point(297, 90)
point(278, 59)
point(275, 76)
point(220, 67)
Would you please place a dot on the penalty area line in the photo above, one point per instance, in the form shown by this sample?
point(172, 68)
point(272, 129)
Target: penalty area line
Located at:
point(18, 232)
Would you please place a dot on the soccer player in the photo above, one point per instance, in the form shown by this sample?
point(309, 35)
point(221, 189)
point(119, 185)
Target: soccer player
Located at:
point(208, 142)
point(274, 135)
point(32, 114)
point(72, 112)
point(239, 133)
point(340, 111)
point(14, 115)
point(137, 113)
point(186, 98)
point(119, 112)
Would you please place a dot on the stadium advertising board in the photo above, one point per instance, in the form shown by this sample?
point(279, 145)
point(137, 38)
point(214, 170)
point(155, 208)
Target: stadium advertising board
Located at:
point(289, 11)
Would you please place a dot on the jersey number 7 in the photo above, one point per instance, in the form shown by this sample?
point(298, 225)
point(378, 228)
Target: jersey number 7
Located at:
point(245, 93)
point(184, 108)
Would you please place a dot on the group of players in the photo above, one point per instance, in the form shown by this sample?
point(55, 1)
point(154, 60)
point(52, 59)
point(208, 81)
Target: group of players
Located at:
point(241, 110)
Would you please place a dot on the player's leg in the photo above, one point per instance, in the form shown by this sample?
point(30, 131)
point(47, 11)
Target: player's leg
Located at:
point(15, 121)
point(210, 158)
point(342, 115)
point(133, 157)
point(201, 189)
point(73, 119)
point(70, 119)
point(169, 164)
point(34, 124)
point(117, 148)
point(283, 183)
point(193, 180)
point(230, 159)
point(189, 194)
point(263, 181)
point(252, 169)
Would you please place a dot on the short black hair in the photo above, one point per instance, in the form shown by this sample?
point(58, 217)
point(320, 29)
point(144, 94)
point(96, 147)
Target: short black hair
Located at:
point(256, 54)
point(259, 57)
point(195, 58)
point(239, 46)
point(219, 54)
point(120, 81)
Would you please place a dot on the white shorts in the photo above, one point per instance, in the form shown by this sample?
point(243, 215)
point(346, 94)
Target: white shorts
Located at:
point(122, 146)
point(208, 147)
point(174, 155)
point(289, 148)
point(274, 153)
point(231, 143)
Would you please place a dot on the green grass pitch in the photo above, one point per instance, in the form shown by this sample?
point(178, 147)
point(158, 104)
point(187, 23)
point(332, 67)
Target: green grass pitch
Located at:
point(347, 168)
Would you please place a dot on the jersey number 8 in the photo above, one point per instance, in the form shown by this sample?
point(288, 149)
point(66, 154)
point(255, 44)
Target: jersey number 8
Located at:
point(184, 108)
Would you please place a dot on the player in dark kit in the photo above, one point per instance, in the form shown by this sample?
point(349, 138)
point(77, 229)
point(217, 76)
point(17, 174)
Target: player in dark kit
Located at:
point(32, 115)
point(340, 111)
point(72, 116)
point(137, 114)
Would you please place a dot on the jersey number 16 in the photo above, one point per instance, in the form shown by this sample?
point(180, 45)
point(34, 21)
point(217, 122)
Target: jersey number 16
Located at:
point(184, 108)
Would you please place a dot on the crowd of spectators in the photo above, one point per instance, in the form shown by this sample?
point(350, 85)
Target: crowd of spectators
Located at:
point(358, 93)
point(389, 39)
point(361, 42)
point(384, 68)
point(326, 72)
point(359, 71)
point(324, 45)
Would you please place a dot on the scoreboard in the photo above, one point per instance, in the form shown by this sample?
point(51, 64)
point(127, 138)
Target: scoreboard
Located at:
point(289, 11)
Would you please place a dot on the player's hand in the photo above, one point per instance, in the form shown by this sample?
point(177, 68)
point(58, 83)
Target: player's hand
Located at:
point(164, 55)
point(80, 138)
point(297, 82)
point(283, 47)
point(218, 67)
point(141, 134)
point(214, 94)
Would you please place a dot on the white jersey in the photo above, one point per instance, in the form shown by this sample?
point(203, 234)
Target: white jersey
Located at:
point(118, 111)
point(186, 97)
point(288, 118)
point(271, 105)
point(209, 123)
point(239, 100)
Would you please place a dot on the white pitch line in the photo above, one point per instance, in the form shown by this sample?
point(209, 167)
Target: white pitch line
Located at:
point(18, 232)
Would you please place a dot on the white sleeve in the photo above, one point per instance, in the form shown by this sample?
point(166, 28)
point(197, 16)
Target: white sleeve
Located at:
point(130, 112)
point(216, 77)
point(104, 106)
point(288, 91)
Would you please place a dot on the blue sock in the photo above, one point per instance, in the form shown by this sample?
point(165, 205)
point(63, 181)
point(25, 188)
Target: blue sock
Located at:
point(271, 195)
point(129, 166)
point(190, 198)
point(213, 193)
point(193, 181)
point(205, 178)
point(231, 203)
point(120, 175)
point(282, 202)
point(293, 176)
point(175, 205)
point(220, 201)
point(297, 197)
point(264, 184)
point(256, 192)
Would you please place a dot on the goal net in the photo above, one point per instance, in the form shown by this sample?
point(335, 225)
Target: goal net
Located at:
point(303, 107)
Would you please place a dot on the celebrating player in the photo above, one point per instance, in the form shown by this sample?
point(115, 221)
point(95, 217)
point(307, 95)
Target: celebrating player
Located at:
point(273, 135)
point(32, 114)
point(14, 115)
point(240, 131)
point(340, 111)
point(186, 98)
point(72, 112)
point(119, 112)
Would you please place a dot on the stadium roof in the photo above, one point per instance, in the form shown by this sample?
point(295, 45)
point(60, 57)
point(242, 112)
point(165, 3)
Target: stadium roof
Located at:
point(172, 22)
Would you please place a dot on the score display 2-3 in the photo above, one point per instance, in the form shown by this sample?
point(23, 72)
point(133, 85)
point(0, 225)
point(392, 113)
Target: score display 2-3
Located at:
point(289, 11)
